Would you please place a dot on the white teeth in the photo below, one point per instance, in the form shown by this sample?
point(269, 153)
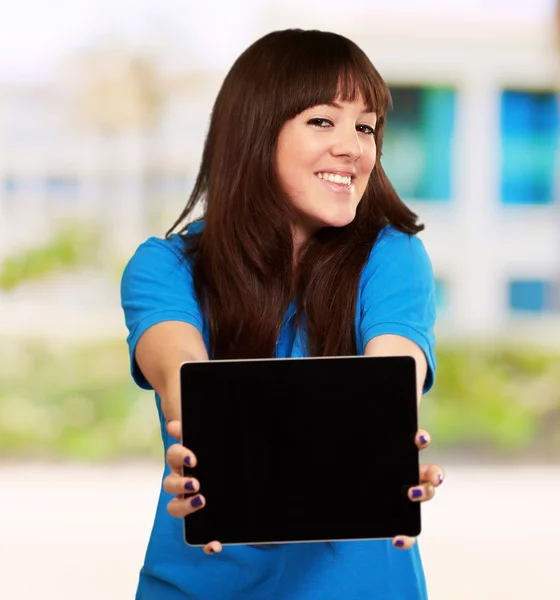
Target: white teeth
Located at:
point(335, 178)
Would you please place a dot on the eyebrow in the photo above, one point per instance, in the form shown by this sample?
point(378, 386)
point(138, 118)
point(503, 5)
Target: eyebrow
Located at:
point(366, 110)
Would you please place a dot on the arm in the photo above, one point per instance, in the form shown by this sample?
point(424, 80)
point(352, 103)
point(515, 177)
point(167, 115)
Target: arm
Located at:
point(165, 323)
point(397, 316)
point(396, 345)
point(163, 318)
point(397, 306)
point(159, 353)
point(431, 476)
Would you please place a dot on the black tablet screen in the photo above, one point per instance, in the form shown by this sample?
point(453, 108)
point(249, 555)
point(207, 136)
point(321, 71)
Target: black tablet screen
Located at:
point(291, 450)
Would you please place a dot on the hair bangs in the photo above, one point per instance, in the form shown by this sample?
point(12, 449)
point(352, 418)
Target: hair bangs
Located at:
point(324, 68)
point(355, 83)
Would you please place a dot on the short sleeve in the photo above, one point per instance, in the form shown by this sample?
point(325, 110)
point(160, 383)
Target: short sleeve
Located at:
point(397, 294)
point(157, 286)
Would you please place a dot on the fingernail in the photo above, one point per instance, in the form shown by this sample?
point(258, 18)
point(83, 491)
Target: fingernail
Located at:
point(196, 502)
point(440, 478)
point(399, 543)
point(188, 461)
point(417, 493)
point(423, 439)
point(189, 486)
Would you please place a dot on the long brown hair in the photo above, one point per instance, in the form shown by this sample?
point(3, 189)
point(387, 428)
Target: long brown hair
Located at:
point(243, 258)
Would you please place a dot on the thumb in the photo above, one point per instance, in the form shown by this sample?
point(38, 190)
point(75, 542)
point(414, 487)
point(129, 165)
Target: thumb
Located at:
point(174, 429)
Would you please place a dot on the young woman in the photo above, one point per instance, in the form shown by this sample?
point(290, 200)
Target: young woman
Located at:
point(304, 249)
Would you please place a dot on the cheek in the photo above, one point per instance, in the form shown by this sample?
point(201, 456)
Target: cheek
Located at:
point(284, 170)
point(370, 158)
point(289, 164)
point(368, 163)
point(295, 173)
point(290, 179)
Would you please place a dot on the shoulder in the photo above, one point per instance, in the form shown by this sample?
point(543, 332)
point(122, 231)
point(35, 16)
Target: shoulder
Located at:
point(157, 263)
point(162, 254)
point(159, 267)
point(173, 245)
point(170, 249)
point(393, 241)
point(396, 252)
point(158, 280)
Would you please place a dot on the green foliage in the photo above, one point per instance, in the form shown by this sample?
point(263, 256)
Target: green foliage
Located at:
point(69, 248)
point(79, 402)
point(500, 398)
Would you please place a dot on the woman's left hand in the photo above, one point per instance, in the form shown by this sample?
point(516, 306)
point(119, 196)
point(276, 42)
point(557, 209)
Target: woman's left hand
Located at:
point(431, 477)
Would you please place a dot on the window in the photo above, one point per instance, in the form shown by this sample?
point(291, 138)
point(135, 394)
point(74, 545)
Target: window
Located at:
point(10, 186)
point(62, 187)
point(529, 146)
point(532, 296)
point(418, 142)
point(14, 186)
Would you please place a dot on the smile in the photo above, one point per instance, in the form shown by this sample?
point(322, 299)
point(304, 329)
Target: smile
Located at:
point(345, 180)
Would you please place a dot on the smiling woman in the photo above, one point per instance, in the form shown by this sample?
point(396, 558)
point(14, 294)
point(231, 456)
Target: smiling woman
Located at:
point(321, 108)
point(304, 249)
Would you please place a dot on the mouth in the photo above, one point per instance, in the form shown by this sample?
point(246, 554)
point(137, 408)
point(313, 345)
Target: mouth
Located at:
point(337, 181)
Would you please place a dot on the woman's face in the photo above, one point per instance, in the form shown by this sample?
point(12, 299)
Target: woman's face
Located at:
point(324, 159)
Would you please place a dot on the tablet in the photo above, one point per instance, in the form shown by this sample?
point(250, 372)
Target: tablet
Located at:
point(301, 449)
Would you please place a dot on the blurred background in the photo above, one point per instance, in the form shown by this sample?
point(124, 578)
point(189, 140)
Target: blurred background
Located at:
point(104, 107)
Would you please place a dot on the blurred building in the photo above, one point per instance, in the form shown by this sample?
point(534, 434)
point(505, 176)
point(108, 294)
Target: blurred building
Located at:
point(101, 151)
point(472, 144)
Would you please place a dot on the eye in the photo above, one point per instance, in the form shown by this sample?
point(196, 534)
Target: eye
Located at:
point(368, 130)
point(323, 123)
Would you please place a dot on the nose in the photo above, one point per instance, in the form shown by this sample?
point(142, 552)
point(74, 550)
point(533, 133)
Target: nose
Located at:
point(347, 143)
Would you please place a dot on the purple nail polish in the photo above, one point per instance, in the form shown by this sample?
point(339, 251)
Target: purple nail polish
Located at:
point(440, 478)
point(399, 543)
point(189, 486)
point(188, 461)
point(423, 440)
point(417, 493)
point(196, 502)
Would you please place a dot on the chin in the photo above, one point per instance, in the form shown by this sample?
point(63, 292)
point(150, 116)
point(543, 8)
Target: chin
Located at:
point(340, 220)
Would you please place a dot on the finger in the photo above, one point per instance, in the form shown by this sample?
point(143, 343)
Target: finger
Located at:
point(181, 507)
point(174, 429)
point(212, 548)
point(176, 485)
point(422, 493)
point(178, 456)
point(432, 474)
point(422, 439)
point(403, 542)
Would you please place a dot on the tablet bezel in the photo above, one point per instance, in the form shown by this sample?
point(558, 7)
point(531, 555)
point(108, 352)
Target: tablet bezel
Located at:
point(404, 375)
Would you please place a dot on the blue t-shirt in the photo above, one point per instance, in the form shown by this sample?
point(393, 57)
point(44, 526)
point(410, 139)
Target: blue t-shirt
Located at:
point(396, 296)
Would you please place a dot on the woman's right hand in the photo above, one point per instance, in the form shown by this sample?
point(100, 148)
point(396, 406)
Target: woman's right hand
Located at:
point(186, 500)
